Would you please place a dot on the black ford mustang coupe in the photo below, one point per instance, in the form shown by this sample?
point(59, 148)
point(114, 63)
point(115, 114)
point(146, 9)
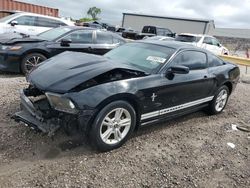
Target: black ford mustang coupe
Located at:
point(19, 53)
point(136, 84)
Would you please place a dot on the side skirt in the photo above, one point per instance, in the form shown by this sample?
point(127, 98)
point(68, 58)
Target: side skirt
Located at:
point(164, 118)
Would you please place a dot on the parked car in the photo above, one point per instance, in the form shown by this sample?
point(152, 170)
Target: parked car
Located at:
point(21, 54)
point(93, 25)
point(30, 23)
point(159, 38)
point(204, 41)
point(149, 31)
point(136, 84)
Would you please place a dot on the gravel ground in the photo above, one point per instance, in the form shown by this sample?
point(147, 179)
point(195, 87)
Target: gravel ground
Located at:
point(191, 151)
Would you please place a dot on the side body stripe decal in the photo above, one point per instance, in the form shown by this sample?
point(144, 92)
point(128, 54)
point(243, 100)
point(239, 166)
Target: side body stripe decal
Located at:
point(175, 108)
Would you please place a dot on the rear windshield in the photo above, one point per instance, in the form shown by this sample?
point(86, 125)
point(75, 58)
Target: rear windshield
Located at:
point(187, 38)
point(7, 18)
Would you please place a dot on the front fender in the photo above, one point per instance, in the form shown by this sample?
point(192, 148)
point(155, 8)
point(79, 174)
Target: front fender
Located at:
point(96, 96)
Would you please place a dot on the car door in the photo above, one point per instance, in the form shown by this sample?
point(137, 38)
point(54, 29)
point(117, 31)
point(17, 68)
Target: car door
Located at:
point(104, 42)
point(182, 89)
point(24, 24)
point(208, 45)
point(217, 46)
point(81, 41)
point(166, 95)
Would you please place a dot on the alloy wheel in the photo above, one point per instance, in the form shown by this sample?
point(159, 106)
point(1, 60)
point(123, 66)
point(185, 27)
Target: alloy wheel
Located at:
point(221, 100)
point(115, 126)
point(32, 62)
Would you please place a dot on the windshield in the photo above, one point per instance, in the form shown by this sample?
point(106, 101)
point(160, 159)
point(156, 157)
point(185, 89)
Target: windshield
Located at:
point(53, 34)
point(187, 38)
point(147, 57)
point(8, 18)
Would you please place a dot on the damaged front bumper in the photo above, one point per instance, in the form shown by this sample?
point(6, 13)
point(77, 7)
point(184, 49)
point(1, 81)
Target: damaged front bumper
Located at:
point(34, 117)
point(37, 113)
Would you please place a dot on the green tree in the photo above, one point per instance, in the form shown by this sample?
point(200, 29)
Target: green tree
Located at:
point(93, 12)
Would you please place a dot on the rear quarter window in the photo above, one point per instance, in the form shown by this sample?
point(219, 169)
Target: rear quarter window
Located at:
point(104, 38)
point(214, 61)
point(46, 22)
point(187, 38)
point(194, 60)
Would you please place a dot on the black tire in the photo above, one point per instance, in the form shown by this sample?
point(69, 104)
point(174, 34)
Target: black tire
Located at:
point(26, 69)
point(212, 106)
point(95, 131)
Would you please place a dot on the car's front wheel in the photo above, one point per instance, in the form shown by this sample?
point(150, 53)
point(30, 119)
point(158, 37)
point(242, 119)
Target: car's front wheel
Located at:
point(219, 101)
point(113, 126)
point(31, 60)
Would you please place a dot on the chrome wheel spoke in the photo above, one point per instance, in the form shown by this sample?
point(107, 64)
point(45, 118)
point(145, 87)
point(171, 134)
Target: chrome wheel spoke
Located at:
point(224, 96)
point(118, 135)
point(107, 121)
point(125, 122)
point(107, 134)
point(118, 114)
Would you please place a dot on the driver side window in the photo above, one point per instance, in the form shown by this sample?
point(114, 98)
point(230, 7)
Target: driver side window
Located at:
point(80, 36)
point(194, 60)
point(26, 20)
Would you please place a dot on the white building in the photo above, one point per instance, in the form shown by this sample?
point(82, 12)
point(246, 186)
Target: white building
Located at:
point(177, 25)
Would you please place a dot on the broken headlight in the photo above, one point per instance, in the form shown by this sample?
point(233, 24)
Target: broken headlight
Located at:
point(60, 103)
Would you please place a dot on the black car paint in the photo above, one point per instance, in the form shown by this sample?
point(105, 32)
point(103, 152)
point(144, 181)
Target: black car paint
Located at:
point(169, 94)
point(10, 60)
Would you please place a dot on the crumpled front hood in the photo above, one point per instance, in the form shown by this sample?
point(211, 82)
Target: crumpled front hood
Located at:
point(69, 69)
point(13, 38)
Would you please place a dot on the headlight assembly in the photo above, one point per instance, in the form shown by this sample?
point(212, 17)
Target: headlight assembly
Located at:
point(61, 103)
point(11, 48)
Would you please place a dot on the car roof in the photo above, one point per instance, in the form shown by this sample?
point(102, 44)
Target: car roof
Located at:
point(79, 27)
point(172, 44)
point(43, 16)
point(74, 28)
point(195, 35)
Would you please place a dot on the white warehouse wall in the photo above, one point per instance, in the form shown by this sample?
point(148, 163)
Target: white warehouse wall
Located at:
point(177, 25)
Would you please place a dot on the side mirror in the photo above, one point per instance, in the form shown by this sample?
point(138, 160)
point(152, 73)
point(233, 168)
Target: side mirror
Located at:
point(13, 23)
point(219, 45)
point(66, 42)
point(178, 70)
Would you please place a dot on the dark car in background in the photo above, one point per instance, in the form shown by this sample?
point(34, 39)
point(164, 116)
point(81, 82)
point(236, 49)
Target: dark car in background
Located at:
point(20, 53)
point(148, 31)
point(138, 83)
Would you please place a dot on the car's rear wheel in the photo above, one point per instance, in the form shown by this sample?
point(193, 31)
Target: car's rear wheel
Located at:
point(219, 101)
point(113, 126)
point(31, 60)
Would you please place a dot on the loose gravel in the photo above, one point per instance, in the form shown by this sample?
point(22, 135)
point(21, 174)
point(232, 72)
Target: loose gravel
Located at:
point(191, 151)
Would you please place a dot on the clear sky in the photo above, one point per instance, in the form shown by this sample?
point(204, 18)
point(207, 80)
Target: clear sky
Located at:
point(226, 13)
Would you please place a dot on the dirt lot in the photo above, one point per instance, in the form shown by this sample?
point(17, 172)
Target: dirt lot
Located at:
point(192, 151)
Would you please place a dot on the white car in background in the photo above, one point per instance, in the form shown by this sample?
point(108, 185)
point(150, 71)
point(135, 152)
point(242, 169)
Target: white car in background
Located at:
point(30, 23)
point(204, 41)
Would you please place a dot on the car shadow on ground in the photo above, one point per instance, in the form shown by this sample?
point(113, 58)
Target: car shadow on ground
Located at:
point(10, 75)
point(62, 145)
